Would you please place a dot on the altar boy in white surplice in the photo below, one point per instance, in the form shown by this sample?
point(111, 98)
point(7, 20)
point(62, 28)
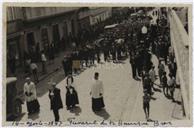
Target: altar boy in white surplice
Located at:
point(97, 93)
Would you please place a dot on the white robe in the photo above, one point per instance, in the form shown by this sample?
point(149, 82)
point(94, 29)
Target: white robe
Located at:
point(97, 89)
point(30, 88)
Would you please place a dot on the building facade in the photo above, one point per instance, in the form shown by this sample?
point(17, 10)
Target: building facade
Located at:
point(33, 29)
point(14, 35)
point(91, 21)
point(29, 28)
point(49, 25)
point(99, 14)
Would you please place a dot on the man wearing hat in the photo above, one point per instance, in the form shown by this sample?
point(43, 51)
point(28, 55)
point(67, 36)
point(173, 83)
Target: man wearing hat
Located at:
point(55, 100)
point(30, 96)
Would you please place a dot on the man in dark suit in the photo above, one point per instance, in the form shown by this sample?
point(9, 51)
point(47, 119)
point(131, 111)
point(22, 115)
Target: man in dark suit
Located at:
point(55, 100)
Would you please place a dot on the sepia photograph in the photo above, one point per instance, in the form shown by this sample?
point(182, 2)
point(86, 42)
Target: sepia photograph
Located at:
point(97, 65)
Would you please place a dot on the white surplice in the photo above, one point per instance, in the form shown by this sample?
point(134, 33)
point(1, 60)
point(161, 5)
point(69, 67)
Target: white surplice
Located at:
point(97, 89)
point(30, 88)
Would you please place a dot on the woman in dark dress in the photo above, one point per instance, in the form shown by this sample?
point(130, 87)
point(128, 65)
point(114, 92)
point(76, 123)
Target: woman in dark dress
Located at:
point(71, 94)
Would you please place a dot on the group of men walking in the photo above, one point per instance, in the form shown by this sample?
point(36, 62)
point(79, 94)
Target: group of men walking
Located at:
point(56, 102)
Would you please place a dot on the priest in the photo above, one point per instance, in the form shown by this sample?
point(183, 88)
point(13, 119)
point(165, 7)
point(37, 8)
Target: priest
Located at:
point(30, 96)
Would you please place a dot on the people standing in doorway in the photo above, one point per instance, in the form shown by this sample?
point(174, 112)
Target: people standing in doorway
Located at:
point(44, 60)
point(30, 97)
point(37, 52)
point(71, 94)
point(34, 70)
point(27, 62)
point(12, 62)
point(97, 94)
point(55, 100)
point(52, 53)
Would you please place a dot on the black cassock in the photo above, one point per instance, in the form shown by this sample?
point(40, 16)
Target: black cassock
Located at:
point(97, 103)
point(55, 101)
point(71, 97)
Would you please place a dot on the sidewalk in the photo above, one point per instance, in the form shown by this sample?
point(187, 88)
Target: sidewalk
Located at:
point(161, 108)
point(51, 68)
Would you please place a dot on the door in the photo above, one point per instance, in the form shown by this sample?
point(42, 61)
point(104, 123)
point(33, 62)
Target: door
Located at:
point(45, 40)
point(56, 36)
point(13, 55)
point(30, 40)
point(65, 30)
point(73, 27)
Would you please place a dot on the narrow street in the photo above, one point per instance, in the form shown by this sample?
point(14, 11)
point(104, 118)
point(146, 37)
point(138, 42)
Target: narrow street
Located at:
point(141, 55)
point(122, 97)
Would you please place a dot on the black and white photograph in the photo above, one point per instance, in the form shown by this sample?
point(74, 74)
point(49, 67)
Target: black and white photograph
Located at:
point(87, 65)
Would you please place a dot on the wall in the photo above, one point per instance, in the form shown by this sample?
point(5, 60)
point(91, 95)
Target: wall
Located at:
point(14, 13)
point(180, 43)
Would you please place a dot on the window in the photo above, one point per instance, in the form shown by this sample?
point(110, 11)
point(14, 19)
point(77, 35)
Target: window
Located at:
point(56, 36)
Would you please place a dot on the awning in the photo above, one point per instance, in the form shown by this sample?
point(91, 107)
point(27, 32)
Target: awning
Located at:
point(110, 26)
point(10, 80)
point(14, 35)
point(120, 41)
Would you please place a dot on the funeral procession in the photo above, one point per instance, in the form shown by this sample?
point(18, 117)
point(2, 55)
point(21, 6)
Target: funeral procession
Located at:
point(97, 63)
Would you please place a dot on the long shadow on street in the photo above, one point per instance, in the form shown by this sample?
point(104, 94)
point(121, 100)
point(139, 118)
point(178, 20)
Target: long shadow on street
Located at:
point(103, 113)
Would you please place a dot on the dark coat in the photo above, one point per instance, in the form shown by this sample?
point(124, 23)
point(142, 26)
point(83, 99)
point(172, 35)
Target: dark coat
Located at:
point(55, 101)
point(64, 64)
point(71, 99)
point(147, 84)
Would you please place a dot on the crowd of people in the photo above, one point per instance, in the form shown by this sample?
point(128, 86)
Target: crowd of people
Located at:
point(139, 37)
point(147, 41)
